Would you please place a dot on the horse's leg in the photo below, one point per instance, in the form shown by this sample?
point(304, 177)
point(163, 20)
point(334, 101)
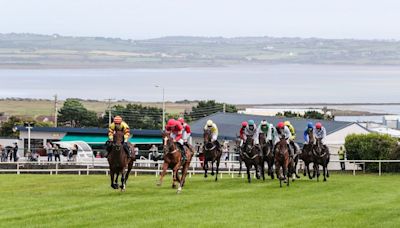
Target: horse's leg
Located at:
point(296, 171)
point(205, 167)
point(308, 170)
point(218, 161)
point(164, 171)
point(116, 180)
point(240, 166)
point(262, 168)
point(123, 173)
point(316, 168)
point(130, 165)
point(248, 172)
point(175, 174)
point(212, 167)
point(324, 170)
point(182, 180)
point(112, 179)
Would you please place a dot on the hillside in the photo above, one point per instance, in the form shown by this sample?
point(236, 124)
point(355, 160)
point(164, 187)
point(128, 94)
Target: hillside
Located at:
point(55, 51)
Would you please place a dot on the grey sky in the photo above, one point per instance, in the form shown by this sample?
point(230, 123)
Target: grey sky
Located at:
point(365, 19)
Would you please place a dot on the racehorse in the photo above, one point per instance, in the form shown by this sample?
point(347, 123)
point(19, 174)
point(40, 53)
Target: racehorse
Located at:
point(268, 154)
point(284, 161)
point(173, 160)
point(321, 157)
point(307, 155)
point(252, 157)
point(118, 161)
point(211, 153)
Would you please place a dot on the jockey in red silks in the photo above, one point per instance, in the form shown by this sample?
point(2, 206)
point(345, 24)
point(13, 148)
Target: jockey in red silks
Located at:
point(176, 132)
point(186, 132)
point(241, 132)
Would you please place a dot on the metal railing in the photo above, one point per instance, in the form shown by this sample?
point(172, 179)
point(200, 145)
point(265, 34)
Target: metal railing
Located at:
point(149, 166)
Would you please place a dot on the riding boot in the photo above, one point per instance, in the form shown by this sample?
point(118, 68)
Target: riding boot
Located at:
point(182, 149)
point(127, 150)
point(291, 153)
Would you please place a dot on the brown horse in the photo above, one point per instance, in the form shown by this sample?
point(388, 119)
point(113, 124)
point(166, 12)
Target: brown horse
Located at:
point(173, 160)
point(307, 155)
point(118, 161)
point(211, 154)
point(284, 161)
point(252, 156)
point(268, 154)
point(321, 157)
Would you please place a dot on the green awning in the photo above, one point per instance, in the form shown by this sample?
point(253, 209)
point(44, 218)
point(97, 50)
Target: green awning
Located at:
point(96, 139)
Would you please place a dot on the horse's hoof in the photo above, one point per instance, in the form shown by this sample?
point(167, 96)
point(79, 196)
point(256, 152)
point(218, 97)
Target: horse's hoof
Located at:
point(159, 184)
point(173, 186)
point(297, 176)
point(324, 179)
point(212, 174)
point(205, 176)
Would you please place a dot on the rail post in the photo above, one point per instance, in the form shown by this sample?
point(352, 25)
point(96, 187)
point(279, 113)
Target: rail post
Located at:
point(87, 169)
point(18, 168)
point(56, 168)
point(354, 168)
point(380, 170)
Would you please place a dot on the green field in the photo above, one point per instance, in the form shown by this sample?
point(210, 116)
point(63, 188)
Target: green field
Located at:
point(88, 201)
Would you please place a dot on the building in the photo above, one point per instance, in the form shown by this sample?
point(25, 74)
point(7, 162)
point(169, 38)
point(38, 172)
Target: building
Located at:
point(95, 137)
point(229, 126)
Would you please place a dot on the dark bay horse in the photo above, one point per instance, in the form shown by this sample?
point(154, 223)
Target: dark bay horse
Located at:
point(211, 154)
point(284, 161)
point(118, 161)
point(252, 156)
point(268, 154)
point(173, 160)
point(307, 155)
point(321, 157)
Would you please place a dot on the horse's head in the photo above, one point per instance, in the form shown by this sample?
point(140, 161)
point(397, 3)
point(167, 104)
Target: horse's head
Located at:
point(318, 146)
point(261, 138)
point(168, 144)
point(118, 137)
point(281, 148)
point(207, 135)
point(311, 137)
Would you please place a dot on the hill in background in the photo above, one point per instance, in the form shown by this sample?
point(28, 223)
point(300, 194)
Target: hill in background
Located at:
point(55, 51)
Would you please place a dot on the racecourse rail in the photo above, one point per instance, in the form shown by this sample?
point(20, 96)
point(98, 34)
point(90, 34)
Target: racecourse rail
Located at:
point(230, 170)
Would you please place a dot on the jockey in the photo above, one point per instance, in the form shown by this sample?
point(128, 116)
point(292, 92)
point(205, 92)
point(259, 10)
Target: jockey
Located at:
point(265, 128)
point(320, 133)
point(186, 131)
point(291, 128)
point(293, 132)
point(252, 131)
point(176, 132)
point(283, 131)
point(273, 133)
point(241, 132)
point(214, 132)
point(119, 125)
point(310, 128)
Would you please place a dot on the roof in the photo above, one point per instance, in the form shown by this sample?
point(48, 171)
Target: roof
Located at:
point(137, 132)
point(229, 124)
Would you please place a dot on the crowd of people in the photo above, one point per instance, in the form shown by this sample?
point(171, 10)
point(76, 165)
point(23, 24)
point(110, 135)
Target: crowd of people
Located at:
point(9, 153)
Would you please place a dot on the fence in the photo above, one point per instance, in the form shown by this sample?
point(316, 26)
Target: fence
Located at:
point(148, 166)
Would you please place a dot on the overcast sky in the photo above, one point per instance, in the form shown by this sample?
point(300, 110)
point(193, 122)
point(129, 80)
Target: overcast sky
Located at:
point(364, 19)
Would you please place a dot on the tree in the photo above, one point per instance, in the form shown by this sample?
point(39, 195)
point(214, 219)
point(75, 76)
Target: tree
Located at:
point(6, 128)
point(206, 108)
point(137, 116)
point(74, 114)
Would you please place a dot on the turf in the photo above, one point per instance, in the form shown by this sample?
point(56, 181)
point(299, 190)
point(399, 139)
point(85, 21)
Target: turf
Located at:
point(88, 201)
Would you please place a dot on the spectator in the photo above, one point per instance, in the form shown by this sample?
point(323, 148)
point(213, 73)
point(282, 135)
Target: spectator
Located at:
point(154, 153)
point(56, 151)
point(1, 152)
point(342, 155)
point(15, 152)
point(49, 151)
point(98, 155)
point(74, 152)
